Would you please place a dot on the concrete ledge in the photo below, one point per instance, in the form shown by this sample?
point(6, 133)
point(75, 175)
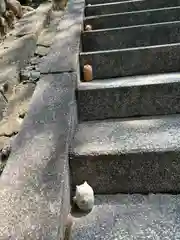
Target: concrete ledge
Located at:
point(34, 186)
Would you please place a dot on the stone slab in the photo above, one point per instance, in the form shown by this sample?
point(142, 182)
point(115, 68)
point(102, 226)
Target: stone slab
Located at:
point(133, 61)
point(117, 7)
point(130, 217)
point(64, 52)
point(34, 186)
point(129, 156)
point(128, 97)
point(129, 37)
point(134, 18)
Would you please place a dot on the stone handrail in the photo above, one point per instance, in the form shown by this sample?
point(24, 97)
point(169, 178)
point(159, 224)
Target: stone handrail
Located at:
point(34, 186)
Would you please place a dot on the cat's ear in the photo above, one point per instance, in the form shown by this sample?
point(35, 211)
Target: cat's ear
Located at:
point(77, 187)
point(85, 183)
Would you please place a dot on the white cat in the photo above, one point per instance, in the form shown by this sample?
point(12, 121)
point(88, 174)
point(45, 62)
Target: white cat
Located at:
point(84, 197)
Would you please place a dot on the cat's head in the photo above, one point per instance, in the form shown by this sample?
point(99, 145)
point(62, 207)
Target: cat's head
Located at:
point(79, 187)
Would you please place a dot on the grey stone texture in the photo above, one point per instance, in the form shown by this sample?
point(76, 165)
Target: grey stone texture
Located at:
point(64, 52)
point(129, 37)
point(103, 1)
point(128, 6)
point(130, 217)
point(34, 186)
point(133, 61)
point(128, 156)
point(128, 97)
point(147, 16)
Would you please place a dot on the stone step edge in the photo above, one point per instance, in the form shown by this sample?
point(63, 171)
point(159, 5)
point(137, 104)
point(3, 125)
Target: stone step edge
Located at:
point(132, 27)
point(143, 80)
point(128, 49)
point(93, 138)
point(114, 3)
point(130, 13)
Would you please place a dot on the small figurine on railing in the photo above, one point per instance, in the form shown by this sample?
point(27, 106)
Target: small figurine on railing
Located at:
point(84, 197)
point(88, 73)
point(88, 27)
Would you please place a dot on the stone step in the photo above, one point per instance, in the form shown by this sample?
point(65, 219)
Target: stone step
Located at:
point(130, 217)
point(128, 156)
point(117, 7)
point(129, 37)
point(133, 61)
point(129, 97)
point(92, 2)
point(133, 18)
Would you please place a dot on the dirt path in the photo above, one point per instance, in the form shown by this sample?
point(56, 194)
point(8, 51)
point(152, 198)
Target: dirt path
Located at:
point(20, 54)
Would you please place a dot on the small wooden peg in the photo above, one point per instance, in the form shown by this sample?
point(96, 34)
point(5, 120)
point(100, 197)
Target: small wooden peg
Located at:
point(88, 73)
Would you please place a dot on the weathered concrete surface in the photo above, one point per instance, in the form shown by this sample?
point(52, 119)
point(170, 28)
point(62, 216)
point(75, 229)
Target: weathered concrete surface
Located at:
point(129, 97)
point(64, 52)
point(34, 187)
point(130, 217)
point(140, 155)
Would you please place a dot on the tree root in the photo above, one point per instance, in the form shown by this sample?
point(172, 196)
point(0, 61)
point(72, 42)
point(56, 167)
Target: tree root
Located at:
point(15, 7)
point(9, 10)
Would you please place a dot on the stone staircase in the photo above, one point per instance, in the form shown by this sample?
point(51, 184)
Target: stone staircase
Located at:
point(127, 144)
